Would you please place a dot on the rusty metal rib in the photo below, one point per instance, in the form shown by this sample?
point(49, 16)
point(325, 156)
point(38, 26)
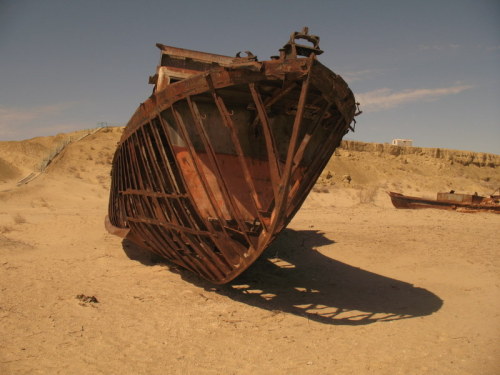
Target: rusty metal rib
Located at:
point(170, 177)
point(307, 138)
point(241, 157)
point(172, 211)
point(280, 94)
point(227, 121)
point(198, 121)
point(123, 176)
point(272, 149)
point(226, 196)
point(145, 204)
point(196, 245)
point(169, 225)
point(197, 165)
point(206, 186)
point(223, 114)
point(153, 194)
point(316, 167)
point(280, 207)
point(186, 261)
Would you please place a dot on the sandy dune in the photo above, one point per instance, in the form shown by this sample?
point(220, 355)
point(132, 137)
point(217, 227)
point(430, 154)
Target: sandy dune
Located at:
point(354, 286)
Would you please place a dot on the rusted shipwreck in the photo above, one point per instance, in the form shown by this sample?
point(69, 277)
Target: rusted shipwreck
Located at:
point(219, 159)
point(449, 201)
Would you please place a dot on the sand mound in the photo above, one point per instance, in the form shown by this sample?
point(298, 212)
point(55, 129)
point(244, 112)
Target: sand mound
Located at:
point(88, 159)
point(27, 155)
point(8, 171)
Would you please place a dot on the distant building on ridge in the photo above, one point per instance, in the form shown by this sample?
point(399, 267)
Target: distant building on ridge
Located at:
point(402, 142)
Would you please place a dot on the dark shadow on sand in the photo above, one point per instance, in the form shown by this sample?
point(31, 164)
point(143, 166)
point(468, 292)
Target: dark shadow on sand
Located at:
point(291, 276)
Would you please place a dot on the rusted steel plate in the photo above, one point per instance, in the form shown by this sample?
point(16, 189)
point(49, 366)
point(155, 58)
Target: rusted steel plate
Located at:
point(219, 159)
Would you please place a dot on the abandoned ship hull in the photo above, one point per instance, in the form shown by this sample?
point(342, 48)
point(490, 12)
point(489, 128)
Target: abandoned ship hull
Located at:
point(212, 167)
point(448, 201)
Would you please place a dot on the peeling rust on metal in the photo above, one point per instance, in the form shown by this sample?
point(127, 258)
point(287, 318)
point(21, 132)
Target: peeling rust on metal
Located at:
point(219, 159)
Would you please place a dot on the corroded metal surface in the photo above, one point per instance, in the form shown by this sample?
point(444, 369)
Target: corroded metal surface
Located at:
point(219, 159)
point(449, 201)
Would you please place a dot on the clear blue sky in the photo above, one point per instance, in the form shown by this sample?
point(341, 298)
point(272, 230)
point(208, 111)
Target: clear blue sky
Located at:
point(427, 70)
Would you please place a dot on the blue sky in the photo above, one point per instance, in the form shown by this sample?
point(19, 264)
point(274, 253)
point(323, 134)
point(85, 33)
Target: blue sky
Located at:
point(424, 70)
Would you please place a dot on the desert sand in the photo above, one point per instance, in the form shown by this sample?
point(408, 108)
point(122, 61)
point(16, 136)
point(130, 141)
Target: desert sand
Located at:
point(353, 286)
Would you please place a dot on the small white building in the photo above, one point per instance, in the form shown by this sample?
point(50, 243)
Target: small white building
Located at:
point(402, 142)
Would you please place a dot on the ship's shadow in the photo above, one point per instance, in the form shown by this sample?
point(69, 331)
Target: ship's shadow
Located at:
point(292, 277)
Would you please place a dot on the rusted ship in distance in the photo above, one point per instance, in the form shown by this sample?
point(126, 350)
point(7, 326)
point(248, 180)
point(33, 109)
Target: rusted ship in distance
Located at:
point(449, 201)
point(217, 161)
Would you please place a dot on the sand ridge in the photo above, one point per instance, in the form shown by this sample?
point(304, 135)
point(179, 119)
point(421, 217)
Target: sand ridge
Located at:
point(353, 286)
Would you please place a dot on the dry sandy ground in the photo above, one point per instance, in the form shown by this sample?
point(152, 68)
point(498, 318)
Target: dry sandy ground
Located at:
point(354, 286)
